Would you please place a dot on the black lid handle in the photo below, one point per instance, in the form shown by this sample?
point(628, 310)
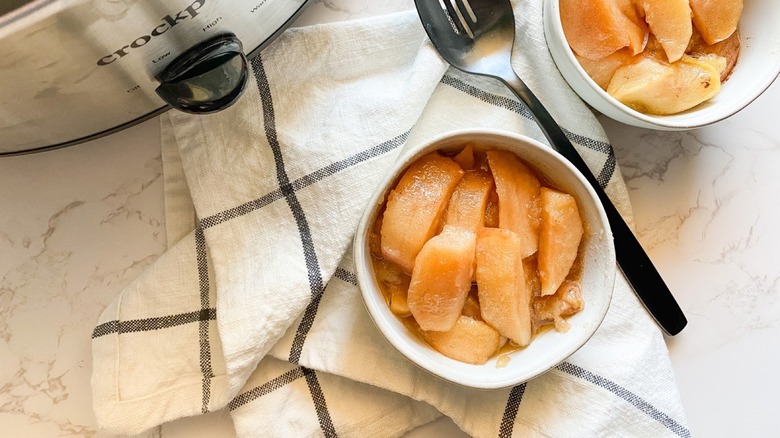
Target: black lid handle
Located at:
point(206, 78)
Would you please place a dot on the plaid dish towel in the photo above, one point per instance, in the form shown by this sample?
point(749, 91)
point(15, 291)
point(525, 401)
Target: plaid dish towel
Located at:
point(254, 307)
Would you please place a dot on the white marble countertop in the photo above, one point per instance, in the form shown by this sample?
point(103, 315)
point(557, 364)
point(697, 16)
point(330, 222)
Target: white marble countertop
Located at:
point(77, 224)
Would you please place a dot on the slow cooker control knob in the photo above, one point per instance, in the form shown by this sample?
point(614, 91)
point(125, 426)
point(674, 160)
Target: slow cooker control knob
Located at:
point(206, 78)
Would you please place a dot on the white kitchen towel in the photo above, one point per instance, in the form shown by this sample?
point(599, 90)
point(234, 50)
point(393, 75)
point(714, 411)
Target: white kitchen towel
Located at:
point(254, 307)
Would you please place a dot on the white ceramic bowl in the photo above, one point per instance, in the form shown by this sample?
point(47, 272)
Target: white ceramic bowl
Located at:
point(549, 348)
point(757, 66)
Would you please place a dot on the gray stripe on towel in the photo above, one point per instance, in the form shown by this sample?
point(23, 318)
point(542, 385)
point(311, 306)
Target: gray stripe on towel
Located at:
point(346, 276)
point(305, 181)
point(266, 388)
point(320, 406)
point(626, 395)
point(203, 326)
point(154, 323)
point(318, 398)
point(510, 412)
point(310, 254)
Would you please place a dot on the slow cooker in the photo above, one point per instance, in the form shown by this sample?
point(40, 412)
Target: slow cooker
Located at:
point(74, 70)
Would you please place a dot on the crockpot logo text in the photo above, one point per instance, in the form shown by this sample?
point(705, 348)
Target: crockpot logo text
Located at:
point(167, 22)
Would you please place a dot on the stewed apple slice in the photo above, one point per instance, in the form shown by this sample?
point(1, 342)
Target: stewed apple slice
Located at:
point(566, 301)
point(469, 340)
point(716, 19)
point(471, 306)
point(518, 198)
point(491, 209)
point(645, 85)
point(415, 207)
point(441, 278)
point(596, 28)
point(469, 200)
point(532, 283)
point(670, 22)
point(602, 70)
point(504, 300)
point(727, 49)
point(559, 238)
point(637, 30)
point(398, 300)
point(394, 284)
point(465, 158)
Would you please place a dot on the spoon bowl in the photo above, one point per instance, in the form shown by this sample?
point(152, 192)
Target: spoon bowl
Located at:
point(477, 36)
point(477, 39)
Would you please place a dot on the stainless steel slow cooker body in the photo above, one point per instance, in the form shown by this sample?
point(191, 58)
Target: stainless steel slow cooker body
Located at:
point(74, 70)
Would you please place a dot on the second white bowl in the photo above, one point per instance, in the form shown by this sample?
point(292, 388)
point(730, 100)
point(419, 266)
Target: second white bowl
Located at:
point(757, 67)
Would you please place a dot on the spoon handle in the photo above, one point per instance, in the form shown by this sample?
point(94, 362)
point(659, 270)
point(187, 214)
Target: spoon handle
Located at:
point(632, 259)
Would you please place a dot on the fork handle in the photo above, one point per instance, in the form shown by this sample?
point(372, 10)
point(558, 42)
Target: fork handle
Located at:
point(632, 259)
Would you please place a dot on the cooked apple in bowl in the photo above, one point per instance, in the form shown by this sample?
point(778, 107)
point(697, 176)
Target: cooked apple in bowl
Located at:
point(656, 56)
point(485, 249)
point(439, 243)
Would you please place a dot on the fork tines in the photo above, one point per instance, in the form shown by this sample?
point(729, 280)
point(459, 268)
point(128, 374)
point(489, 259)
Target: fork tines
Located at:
point(458, 7)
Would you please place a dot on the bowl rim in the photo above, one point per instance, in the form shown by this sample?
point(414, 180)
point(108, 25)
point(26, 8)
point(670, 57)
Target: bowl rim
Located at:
point(646, 120)
point(378, 309)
